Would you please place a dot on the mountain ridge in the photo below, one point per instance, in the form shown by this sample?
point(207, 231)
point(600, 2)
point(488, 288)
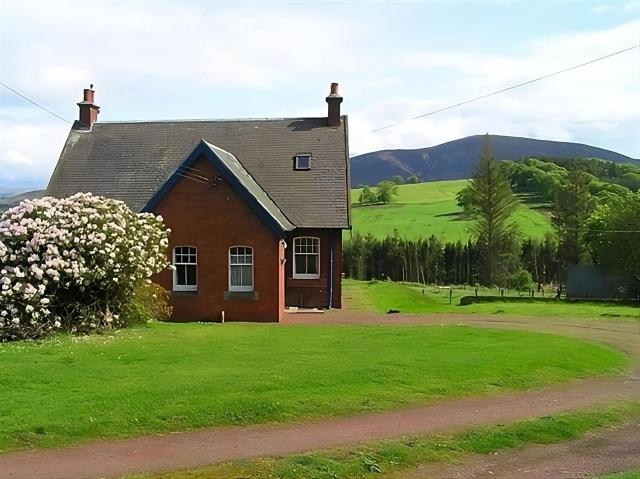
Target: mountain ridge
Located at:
point(456, 159)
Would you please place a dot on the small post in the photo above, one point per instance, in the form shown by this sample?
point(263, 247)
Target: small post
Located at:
point(476, 291)
point(450, 295)
point(222, 316)
point(501, 293)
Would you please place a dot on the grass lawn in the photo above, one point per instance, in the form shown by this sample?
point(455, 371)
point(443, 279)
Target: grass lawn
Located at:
point(368, 460)
point(384, 295)
point(170, 377)
point(429, 209)
point(621, 475)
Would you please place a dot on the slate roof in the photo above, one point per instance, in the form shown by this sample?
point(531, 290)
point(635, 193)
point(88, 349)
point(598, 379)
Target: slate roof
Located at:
point(130, 161)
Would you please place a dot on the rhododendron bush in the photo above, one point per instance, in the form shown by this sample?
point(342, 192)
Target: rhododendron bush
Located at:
point(74, 264)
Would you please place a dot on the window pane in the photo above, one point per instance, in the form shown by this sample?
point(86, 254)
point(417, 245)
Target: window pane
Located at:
point(240, 255)
point(235, 276)
point(300, 266)
point(312, 264)
point(185, 255)
point(247, 279)
point(303, 162)
point(242, 276)
point(191, 275)
point(181, 275)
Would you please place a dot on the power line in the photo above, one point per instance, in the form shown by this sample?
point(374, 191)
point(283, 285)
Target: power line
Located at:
point(502, 90)
point(190, 178)
point(34, 102)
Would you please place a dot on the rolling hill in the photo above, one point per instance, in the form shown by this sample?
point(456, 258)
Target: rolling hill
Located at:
point(7, 202)
point(426, 209)
point(456, 159)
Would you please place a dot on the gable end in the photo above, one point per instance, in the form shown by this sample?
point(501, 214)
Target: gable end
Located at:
point(240, 181)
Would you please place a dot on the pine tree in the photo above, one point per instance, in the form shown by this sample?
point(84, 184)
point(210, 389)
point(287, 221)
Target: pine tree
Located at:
point(492, 207)
point(572, 206)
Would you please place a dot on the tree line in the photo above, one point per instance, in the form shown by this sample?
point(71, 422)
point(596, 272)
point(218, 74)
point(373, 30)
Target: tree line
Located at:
point(431, 261)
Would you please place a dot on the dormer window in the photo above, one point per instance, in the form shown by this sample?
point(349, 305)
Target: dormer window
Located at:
point(302, 161)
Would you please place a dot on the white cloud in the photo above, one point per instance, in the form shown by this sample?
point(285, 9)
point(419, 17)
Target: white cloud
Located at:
point(28, 152)
point(568, 107)
point(69, 43)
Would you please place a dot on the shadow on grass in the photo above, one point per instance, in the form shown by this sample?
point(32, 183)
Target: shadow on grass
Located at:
point(456, 215)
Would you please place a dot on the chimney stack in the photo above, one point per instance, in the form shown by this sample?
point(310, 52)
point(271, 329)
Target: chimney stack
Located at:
point(334, 100)
point(88, 109)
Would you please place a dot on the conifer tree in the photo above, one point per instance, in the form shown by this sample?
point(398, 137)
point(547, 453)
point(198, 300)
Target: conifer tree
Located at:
point(572, 207)
point(492, 205)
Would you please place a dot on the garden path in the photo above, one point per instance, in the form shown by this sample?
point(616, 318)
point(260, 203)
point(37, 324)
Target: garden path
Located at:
point(191, 449)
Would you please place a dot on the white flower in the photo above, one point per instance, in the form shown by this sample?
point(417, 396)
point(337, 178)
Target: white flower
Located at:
point(85, 242)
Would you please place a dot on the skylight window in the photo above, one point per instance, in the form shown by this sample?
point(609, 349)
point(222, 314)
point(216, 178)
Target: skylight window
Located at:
point(302, 161)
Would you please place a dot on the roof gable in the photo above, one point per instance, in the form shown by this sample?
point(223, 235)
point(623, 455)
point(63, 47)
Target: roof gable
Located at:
point(232, 171)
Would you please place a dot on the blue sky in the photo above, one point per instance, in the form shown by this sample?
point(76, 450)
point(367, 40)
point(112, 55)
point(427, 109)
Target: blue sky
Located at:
point(393, 60)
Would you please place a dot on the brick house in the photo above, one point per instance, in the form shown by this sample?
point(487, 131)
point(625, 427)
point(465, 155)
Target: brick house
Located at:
point(256, 207)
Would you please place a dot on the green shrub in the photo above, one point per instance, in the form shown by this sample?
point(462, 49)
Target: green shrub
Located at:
point(149, 302)
point(520, 281)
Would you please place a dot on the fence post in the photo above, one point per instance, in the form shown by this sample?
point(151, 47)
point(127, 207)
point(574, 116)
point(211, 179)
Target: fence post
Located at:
point(450, 295)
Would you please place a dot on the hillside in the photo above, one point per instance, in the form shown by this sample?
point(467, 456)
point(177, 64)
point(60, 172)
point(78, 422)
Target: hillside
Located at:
point(7, 202)
point(427, 209)
point(456, 159)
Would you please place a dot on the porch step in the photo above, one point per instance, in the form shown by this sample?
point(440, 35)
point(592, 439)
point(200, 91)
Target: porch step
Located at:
point(296, 310)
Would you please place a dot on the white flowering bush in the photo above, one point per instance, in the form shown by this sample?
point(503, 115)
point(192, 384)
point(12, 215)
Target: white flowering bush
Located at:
point(74, 264)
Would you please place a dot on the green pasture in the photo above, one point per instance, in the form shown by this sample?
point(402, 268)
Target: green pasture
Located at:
point(426, 209)
point(381, 296)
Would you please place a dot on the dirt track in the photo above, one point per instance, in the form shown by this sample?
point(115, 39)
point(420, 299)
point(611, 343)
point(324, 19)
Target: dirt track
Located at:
point(208, 446)
point(601, 452)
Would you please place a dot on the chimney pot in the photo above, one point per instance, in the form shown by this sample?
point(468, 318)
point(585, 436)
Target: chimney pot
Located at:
point(89, 95)
point(333, 100)
point(88, 109)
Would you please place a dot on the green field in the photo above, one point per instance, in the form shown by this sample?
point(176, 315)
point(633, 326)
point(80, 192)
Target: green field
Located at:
point(396, 455)
point(381, 296)
point(175, 377)
point(426, 209)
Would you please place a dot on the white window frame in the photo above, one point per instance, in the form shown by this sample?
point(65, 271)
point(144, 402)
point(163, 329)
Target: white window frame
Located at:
point(297, 167)
point(235, 288)
point(305, 275)
point(184, 287)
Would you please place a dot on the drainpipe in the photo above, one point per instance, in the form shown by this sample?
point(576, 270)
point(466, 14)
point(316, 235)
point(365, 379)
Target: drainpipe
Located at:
point(331, 276)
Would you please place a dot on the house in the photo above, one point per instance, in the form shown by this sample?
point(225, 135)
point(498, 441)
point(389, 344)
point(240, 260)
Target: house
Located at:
point(256, 207)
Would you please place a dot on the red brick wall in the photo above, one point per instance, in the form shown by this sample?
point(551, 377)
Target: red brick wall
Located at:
point(314, 293)
point(213, 220)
